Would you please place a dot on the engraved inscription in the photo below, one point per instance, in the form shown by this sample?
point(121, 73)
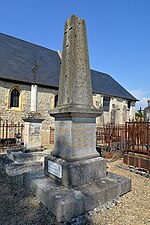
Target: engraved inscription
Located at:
point(63, 130)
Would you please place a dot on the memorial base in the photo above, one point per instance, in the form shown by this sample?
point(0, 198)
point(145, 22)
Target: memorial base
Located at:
point(25, 160)
point(32, 134)
point(67, 203)
point(76, 173)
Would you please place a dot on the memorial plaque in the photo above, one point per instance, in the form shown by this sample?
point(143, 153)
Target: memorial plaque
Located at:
point(55, 169)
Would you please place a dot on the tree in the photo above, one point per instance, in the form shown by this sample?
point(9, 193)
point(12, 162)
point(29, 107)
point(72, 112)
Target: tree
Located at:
point(139, 115)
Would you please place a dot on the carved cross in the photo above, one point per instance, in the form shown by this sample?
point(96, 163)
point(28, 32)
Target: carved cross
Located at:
point(35, 68)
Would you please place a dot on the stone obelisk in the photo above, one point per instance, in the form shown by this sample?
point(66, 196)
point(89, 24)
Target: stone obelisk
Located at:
point(76, 179)
point(75, 115)
point(74, 159)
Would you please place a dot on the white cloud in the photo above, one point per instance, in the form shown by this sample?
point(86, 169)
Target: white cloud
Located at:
point(140, 95)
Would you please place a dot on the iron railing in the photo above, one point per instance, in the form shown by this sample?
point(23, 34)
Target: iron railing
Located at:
point(138, 137)
point(10, 133)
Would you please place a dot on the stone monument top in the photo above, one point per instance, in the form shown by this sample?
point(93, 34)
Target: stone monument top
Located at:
point(75, 88)
point(147, 112)
point(75, 115)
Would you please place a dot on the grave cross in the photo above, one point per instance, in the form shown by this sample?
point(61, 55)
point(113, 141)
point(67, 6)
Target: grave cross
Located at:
point(35, 68)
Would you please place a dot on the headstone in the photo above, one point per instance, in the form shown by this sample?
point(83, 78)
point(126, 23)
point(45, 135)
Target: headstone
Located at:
point(147, 112)
point(32, 130)
point(113, 115)
point(33, 123)
point(31, 157)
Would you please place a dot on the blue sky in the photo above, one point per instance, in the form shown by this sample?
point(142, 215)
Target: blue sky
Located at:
point(118, 34)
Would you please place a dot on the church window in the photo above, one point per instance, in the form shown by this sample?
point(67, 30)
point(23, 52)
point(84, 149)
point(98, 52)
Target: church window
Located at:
point(106, 103)
point(56, 100)
point(129, 104)
point(15, 99)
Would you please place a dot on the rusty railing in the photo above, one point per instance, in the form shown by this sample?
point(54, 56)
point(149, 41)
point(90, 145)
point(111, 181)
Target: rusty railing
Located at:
point(10, 133)
point(111, 137)
point(138, 137)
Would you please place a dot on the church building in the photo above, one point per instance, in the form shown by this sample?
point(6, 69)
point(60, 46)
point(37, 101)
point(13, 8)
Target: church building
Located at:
point(17, 59)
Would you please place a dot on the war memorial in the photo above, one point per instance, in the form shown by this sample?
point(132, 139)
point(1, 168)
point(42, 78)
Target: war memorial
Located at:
point(74, 179)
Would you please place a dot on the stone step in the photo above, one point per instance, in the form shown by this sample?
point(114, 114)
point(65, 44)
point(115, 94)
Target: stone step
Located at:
point(14, 169)
point(66, 203)
point(25, 157)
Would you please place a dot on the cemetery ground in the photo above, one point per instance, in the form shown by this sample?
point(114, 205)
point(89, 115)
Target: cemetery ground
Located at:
point(20, 207)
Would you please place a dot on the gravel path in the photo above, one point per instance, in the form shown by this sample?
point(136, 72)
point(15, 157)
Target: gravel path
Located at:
point(133, 208)
point(20, 207)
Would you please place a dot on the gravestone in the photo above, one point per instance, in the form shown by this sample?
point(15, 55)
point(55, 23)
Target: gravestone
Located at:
point(147, 112)
point(33, 123)
point(113, 115)
point(31, 156)
point(75, 179)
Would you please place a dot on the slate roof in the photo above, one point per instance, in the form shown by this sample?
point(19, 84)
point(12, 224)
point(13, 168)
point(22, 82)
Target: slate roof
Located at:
point(17, 60)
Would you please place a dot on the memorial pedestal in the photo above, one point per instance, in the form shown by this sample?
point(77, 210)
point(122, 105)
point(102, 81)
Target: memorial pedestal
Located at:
point(67, 203)
point(75, 179)
point(76, 173)
point(32, 131)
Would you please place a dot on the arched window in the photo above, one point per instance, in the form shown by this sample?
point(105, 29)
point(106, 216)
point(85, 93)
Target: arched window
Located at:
point(56, 100)
point(14, 98)
point(106, 103)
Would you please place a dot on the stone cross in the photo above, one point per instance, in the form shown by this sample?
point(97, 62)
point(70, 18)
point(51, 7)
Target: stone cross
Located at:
point(33, 107)
point(33, 122)
point(35, 68)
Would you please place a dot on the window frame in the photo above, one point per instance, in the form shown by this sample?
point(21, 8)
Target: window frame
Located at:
point(9, 105)
point(14, 98)
point(106, 107)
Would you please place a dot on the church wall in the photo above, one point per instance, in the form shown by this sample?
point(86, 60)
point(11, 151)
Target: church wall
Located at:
point(118, 112)
point(45, 103)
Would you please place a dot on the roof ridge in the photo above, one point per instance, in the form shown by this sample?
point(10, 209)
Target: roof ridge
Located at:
point(100, 72)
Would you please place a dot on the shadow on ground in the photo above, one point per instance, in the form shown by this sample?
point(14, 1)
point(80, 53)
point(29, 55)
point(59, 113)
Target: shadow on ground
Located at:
point(19, 207)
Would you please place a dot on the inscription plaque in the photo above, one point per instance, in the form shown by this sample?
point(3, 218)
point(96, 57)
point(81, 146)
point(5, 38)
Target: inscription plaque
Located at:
point(55, 169)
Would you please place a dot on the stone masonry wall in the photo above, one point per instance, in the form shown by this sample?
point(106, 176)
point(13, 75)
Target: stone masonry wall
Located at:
point(118, 107)
point(45, 103)
point(118, 112)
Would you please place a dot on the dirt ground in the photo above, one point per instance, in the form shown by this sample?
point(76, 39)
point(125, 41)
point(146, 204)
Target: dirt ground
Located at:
point(20, 207)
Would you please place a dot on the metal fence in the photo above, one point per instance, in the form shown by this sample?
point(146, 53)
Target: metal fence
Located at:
point(10, 133)
point(138, 137)
point(137, 150)
point(108, 137)
point(111, 137)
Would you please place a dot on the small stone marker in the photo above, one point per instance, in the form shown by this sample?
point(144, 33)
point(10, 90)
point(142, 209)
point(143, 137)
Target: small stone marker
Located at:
point(33, 122)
